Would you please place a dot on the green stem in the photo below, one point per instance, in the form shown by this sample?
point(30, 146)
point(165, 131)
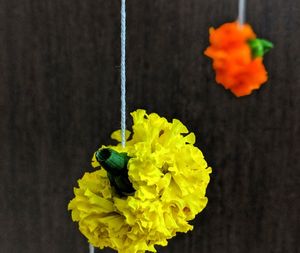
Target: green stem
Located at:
point(115, 164)
point(259, 47)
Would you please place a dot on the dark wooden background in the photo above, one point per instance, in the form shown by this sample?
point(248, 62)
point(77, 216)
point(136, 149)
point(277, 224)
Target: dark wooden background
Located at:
point(59, 101)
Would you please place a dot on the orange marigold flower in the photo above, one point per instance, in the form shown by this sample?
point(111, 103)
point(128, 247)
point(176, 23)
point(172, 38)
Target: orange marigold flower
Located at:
point(237, 57)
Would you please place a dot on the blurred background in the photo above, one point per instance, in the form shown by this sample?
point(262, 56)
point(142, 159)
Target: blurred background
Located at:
point(60, 100)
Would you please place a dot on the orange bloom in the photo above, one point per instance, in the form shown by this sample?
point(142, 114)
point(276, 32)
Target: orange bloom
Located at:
point(236, 67)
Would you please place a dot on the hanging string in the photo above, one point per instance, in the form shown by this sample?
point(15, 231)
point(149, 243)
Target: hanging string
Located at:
point(123, 72)
point(242, 12)
point(92, 249)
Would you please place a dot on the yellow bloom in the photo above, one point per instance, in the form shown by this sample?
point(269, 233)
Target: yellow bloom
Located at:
point(169, 175)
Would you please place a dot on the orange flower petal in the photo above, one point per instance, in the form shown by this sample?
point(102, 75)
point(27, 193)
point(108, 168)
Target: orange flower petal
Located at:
point(230, 35)
point(232, 59)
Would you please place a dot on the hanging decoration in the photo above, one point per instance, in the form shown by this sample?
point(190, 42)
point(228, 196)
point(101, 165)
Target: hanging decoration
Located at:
point(237, 56)
point(146, 188)
point(143, 194)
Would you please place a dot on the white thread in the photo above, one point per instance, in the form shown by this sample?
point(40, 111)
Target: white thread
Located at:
point(242, 12)
point(123, 72)
point(92, 249)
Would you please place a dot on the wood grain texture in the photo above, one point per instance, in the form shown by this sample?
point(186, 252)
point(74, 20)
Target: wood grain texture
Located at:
point(59, 101)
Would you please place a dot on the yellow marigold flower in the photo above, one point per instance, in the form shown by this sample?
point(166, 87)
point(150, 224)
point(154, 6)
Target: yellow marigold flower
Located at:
point(169, 176)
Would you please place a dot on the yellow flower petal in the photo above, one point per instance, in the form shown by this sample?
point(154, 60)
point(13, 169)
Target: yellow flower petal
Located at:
point(170, 176)
point(116, 135)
